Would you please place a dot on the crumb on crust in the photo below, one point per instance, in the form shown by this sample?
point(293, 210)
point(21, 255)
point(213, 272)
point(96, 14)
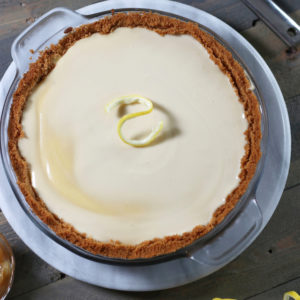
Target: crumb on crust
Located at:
point(162, 25)
point(69, 29)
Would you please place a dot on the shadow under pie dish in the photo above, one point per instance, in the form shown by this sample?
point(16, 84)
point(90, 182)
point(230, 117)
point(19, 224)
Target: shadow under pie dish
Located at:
point(113, 199)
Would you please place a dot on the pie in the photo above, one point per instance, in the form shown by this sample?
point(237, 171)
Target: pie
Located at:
point(111, 197)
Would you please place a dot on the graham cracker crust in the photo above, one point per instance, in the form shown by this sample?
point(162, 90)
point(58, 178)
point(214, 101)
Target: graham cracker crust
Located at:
point(162, 25)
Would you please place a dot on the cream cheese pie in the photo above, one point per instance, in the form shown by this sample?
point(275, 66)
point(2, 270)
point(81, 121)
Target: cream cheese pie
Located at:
point(110, 197)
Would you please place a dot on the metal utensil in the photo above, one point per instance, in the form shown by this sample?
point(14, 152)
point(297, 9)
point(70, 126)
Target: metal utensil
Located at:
point(277, 20)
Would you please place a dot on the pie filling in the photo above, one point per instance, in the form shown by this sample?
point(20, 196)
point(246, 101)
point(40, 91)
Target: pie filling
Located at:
point(110, 190)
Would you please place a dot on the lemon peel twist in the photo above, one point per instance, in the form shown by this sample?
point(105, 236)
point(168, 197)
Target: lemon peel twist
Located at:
point(130, 99)
point(292, 295)
point(223, 299)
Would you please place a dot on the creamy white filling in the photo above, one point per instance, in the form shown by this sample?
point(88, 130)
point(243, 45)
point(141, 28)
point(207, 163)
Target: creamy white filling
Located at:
point(110, 190)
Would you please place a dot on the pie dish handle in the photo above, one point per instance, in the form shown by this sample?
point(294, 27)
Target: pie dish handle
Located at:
point(233, 240)
point(39, 35)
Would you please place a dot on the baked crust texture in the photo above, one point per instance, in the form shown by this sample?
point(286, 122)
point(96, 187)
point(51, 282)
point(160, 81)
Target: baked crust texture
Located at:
point(162, 25)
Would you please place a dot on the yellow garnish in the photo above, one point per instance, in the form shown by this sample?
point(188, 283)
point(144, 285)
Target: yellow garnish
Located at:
point(130, 100)
point(223, 299)
point(291, 295)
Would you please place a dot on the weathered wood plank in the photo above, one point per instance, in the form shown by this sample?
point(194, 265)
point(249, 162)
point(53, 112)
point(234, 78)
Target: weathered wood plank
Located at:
point(285, 66)
point(31, 271)
point(277, 292)
point(293, 106)
point(257, 273)
point(273, 259)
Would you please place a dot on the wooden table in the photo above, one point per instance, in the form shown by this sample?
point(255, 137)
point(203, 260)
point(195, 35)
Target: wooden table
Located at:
point(271, 265)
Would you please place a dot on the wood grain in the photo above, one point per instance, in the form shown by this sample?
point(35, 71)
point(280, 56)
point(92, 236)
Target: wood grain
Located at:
point(284, 65)
point(276, 292)
point(31, 271)
point(293, 105)
point(271, 265)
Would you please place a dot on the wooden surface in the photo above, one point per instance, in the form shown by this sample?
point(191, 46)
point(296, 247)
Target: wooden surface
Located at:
point(271, 265)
